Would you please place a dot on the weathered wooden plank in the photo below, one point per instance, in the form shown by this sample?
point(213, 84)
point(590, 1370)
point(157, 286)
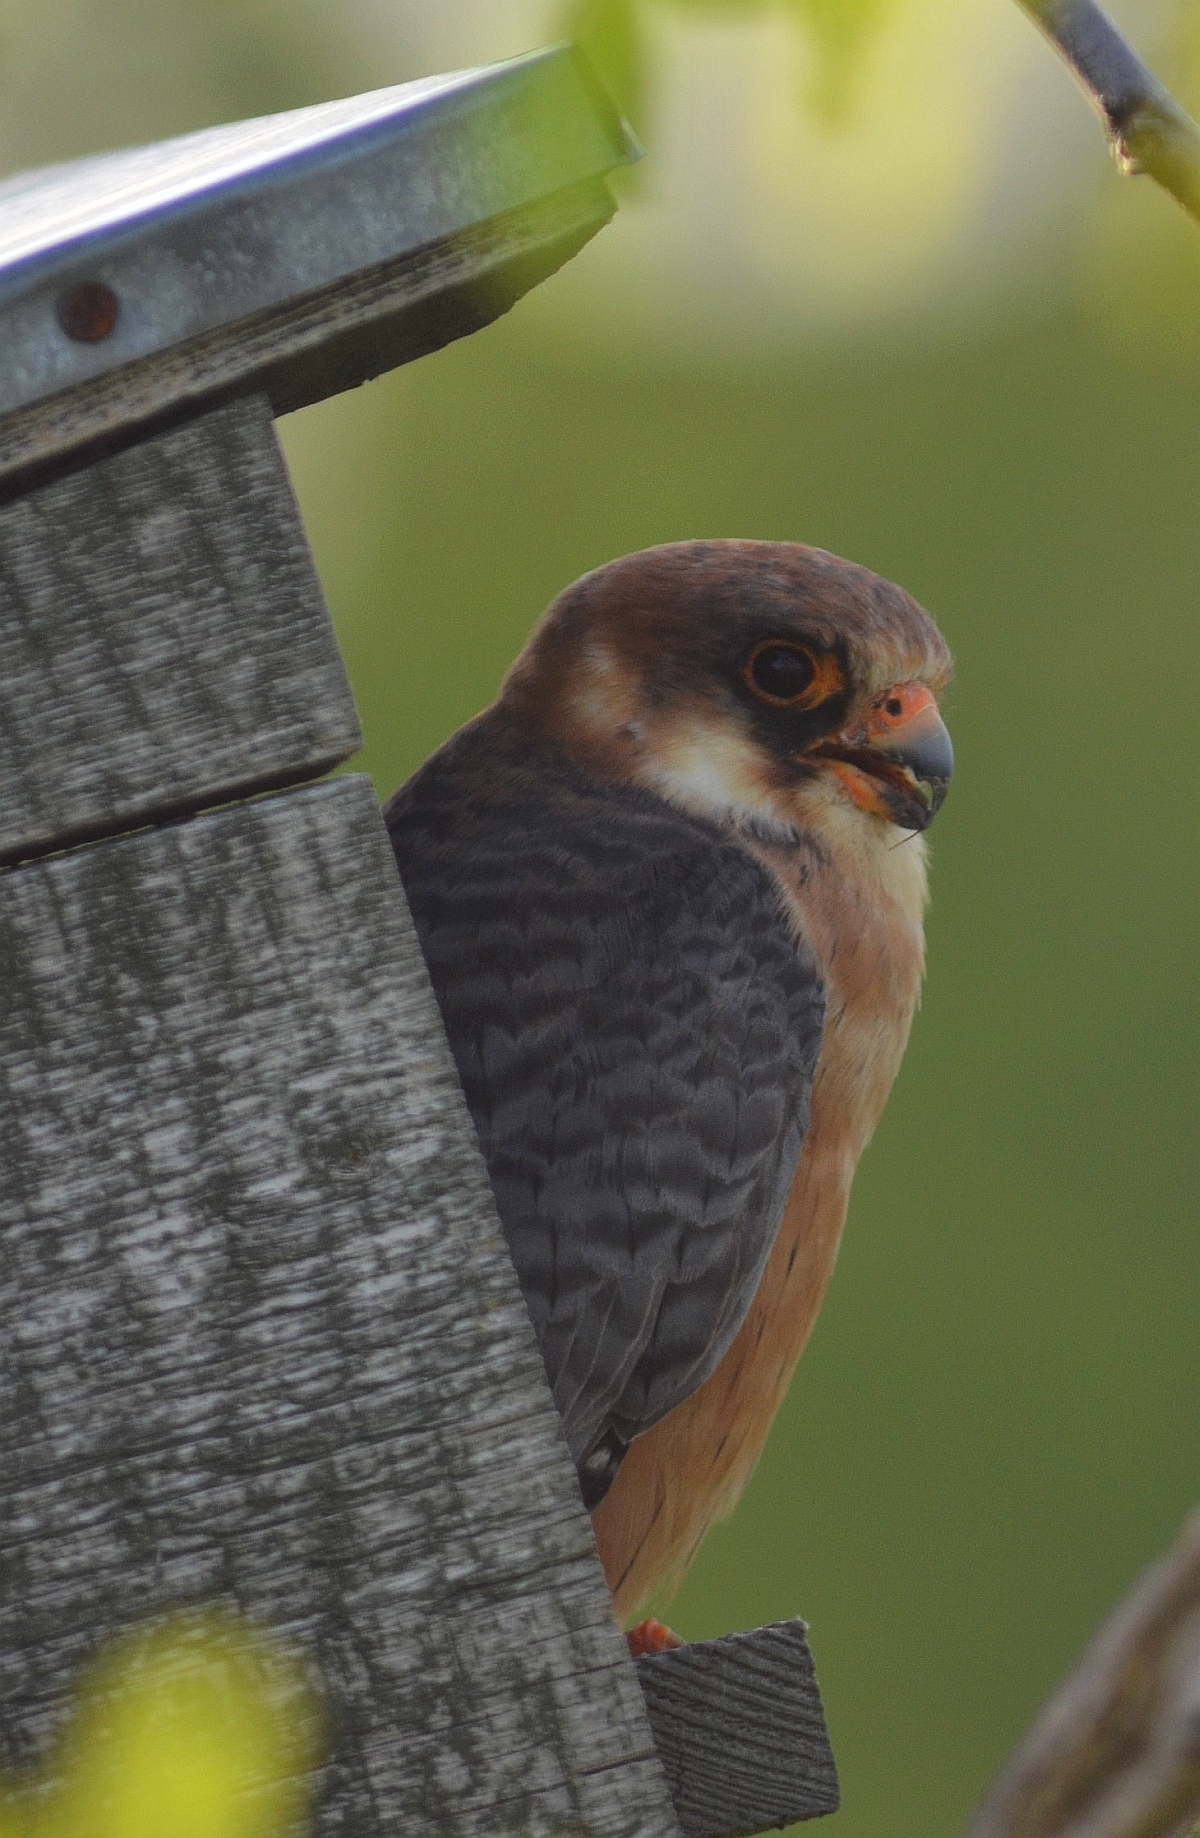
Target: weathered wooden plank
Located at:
point(257, 255)
point(164, 642)
point(260, 1341)
point(740, 1728)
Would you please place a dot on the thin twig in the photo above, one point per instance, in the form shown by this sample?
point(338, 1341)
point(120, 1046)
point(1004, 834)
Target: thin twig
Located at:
point(1149, 132)
point(1116, 1751)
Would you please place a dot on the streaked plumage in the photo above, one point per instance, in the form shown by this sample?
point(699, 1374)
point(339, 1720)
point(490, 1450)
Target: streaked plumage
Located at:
point(666, 919)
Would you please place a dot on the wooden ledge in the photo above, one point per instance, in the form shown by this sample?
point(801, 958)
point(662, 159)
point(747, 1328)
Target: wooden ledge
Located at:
point(740, 1730)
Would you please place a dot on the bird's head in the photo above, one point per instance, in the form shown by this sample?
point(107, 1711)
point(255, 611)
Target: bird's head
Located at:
point(759, 683)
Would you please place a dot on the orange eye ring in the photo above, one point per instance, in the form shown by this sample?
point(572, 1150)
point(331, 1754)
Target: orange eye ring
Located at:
point(787, 675)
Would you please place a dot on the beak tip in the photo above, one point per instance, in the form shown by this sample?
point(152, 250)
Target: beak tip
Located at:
point(928, 754)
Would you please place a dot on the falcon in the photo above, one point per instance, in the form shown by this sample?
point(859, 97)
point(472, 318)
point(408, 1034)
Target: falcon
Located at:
point(670, 889)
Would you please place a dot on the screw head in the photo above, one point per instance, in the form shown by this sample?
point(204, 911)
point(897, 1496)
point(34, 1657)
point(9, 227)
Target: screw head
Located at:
point(87, 312)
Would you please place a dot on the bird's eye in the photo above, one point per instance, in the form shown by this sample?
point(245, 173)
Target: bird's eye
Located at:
point(790, 676)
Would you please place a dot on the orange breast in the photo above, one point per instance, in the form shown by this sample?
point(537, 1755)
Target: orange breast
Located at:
point(691, 1467)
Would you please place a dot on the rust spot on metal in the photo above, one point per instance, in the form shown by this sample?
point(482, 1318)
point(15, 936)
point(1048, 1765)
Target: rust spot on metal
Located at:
point(87, 312)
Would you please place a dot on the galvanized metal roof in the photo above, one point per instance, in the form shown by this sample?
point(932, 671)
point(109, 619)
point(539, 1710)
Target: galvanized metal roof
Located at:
point(109, 261)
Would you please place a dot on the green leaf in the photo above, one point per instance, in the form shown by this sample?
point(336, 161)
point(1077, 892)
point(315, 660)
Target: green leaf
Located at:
point(613, 34)
point(197, 1727)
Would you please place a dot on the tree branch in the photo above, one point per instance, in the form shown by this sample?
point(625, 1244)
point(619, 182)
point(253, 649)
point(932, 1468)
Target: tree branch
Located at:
point(1116, 1751)
point(1148, 131)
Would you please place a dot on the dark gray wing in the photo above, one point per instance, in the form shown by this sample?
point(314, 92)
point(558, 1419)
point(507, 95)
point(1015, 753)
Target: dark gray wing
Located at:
point(636, 1031)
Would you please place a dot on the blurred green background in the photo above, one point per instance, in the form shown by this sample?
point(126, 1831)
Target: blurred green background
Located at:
point(875, 288)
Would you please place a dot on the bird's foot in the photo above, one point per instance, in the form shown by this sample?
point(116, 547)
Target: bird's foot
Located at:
point(651, 1637)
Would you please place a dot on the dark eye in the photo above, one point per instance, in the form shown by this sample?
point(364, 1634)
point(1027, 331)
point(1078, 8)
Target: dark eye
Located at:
point(781, 673)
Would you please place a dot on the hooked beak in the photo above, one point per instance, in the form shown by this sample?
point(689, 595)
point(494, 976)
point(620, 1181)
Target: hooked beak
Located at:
point(899, 761)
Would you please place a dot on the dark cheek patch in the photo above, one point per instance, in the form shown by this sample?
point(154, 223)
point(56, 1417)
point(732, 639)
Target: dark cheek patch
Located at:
point(786, 734)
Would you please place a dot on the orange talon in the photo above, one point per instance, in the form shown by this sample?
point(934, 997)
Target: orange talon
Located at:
point(651, 1637)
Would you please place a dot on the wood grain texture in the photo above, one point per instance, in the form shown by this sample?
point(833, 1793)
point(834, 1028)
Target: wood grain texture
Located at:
point(1115, 1753)
point(260, 1342)
point(740, 1728)
point(164, 637)
point(320, 342)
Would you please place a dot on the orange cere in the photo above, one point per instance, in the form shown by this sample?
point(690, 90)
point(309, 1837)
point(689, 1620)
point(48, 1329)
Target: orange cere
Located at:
point(897, 707)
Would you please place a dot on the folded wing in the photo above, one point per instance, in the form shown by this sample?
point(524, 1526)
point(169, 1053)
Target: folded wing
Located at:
point(636, 1028)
